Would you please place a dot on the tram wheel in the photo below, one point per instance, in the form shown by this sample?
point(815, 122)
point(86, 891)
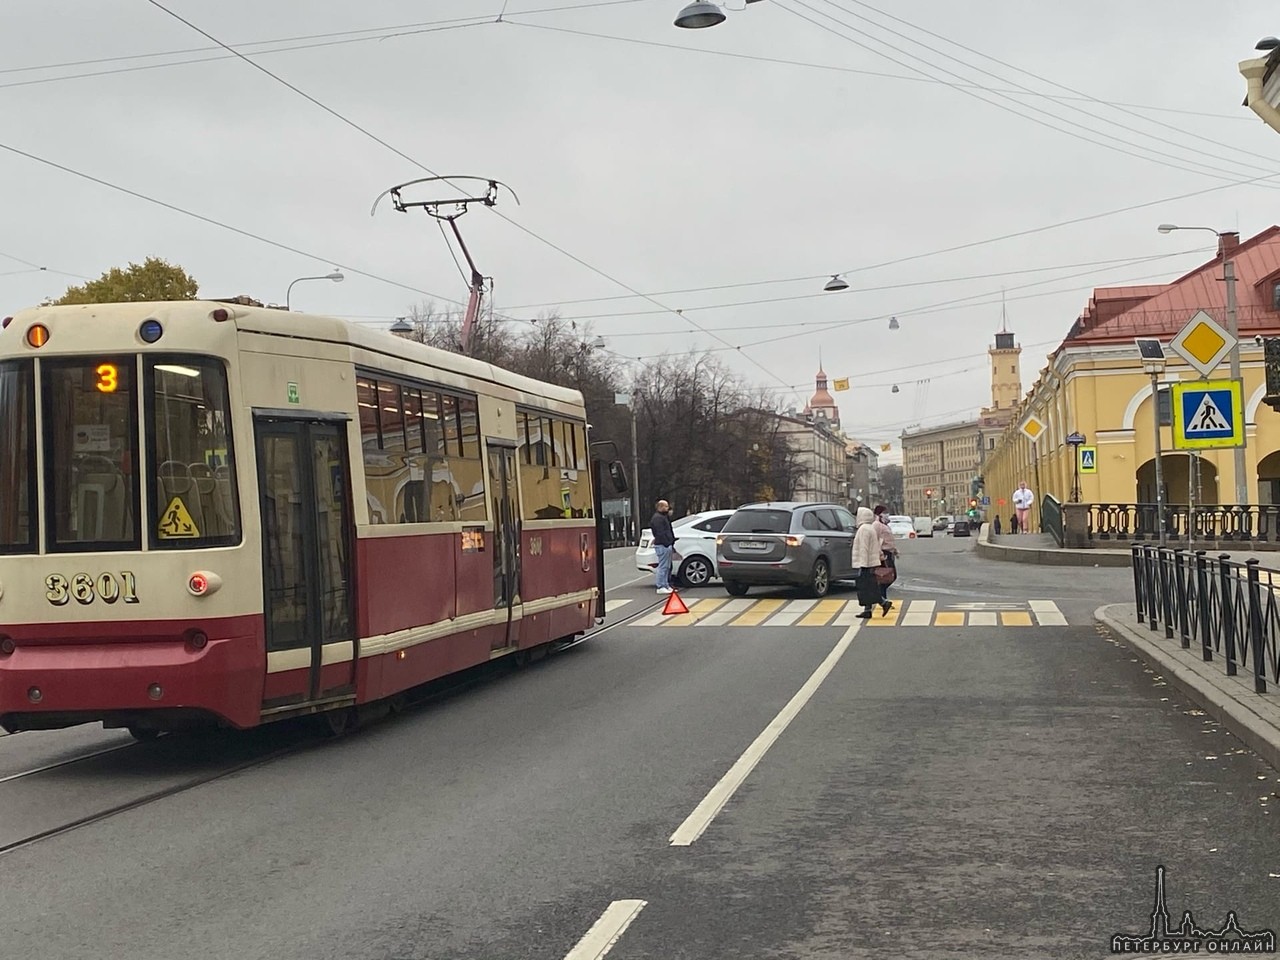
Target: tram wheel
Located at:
point(143, 734)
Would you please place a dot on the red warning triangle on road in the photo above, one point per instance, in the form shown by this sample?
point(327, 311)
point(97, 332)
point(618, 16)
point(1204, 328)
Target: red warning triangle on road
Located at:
point(674, 604)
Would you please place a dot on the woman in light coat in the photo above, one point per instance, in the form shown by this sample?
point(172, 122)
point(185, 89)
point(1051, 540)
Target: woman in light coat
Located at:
point(889, 549)
point(866, 557)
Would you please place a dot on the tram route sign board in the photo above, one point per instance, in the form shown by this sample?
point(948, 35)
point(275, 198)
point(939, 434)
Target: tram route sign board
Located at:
point(1207, 414)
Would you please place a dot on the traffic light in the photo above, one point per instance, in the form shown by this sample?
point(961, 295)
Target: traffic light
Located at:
point(928, 493)
point(973, 503)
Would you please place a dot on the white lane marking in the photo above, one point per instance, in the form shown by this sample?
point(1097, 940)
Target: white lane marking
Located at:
point(728, 612)
point(982, 619)
point(790, 613)
point(722, 792)
point(1047, 613)
point(657, 617)
point(604, 933)
point(613, 605)
point(627, 583)
point(919, 613)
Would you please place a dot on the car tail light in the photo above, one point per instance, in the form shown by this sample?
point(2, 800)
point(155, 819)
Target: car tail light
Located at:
point(793, 540)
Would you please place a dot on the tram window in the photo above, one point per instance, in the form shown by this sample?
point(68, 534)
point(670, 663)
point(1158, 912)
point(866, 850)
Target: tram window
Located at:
point(554, 483)
point(391, 416)
point(192, 471)
point(91, 456)
point(367, 402)
point(432, 425)
point(17, 458)
point(469, 414)
point(449, 420)
point(413, 419)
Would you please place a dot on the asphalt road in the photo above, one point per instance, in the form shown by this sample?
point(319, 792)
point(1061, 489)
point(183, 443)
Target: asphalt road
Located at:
point(943, 791)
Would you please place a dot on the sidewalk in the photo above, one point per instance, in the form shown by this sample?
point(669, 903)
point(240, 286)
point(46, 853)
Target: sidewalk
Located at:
point(1041, 548)
point(1254, 718)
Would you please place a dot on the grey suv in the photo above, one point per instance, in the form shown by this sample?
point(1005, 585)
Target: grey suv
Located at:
point(790, 544)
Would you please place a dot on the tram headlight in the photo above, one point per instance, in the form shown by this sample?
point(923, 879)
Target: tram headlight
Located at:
point(7, 646)
point(202, 583)
point(37, 335)
point(150, 330)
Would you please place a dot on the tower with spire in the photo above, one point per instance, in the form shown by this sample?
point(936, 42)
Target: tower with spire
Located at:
point(822, 405)
point(1006, 373)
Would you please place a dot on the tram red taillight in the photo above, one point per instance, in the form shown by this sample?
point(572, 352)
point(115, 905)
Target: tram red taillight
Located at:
point(202, 583)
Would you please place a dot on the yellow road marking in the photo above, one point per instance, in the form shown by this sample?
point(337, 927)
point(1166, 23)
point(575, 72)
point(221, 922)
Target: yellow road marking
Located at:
point(890, 621)
point(949, 618)
point(1015, 619)
point(823, 612)
point(756, 615)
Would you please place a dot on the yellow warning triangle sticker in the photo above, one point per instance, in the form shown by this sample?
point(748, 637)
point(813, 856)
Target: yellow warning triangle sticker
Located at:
point(176, 522)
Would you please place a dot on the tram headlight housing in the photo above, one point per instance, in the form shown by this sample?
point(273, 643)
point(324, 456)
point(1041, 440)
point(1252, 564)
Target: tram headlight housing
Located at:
point(7, 646)
point(150, 330)
point(202, 583)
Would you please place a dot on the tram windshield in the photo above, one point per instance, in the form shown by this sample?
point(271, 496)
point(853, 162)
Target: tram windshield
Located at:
point(93, 482)
point(17, 458)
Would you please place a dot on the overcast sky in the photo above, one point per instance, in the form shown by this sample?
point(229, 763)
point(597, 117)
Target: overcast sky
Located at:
point(780, 145)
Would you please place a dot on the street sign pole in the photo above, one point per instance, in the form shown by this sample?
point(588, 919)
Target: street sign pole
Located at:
point(1155, 411)
point(1075, 440)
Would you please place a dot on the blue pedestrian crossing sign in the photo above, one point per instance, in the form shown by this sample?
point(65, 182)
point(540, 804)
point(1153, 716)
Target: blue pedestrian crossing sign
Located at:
point(1207, 414)
point(1088, 459)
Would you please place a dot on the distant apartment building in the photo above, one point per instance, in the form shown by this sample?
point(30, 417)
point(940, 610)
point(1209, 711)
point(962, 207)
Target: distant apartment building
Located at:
point(940, 464)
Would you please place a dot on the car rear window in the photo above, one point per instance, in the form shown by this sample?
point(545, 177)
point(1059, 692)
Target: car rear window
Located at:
point(759, 521)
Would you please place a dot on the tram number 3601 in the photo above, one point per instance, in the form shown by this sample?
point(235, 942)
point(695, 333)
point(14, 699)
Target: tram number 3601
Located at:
point(108, 587)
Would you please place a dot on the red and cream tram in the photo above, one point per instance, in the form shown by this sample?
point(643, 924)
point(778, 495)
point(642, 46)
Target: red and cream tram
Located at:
point(221, 513)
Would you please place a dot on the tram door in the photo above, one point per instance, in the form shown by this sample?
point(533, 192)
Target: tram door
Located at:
point(505, 503)
point(307, 568)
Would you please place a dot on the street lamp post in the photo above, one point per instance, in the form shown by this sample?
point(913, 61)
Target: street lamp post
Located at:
point(628, 400)
point(1229, 277)
point(336, 277)
point(1153, 363)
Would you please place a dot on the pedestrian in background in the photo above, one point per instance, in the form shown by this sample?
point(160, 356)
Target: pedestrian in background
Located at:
point(664, 540)
point(866, 557)
point(888, 551)
point(1022, 501)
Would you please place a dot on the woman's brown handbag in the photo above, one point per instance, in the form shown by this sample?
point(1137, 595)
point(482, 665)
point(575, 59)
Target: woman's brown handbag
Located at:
point(886, 575)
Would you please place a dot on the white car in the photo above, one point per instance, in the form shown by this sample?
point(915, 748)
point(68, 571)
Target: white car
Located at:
point(694, 561)
point(902, 527)
point(923, 526)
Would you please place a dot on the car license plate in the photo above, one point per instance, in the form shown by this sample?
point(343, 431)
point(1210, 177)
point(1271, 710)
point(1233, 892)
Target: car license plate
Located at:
point(752, 545)
point(643, 544)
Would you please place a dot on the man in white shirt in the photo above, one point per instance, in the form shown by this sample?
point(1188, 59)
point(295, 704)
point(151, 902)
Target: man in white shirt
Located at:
point(1022, 501)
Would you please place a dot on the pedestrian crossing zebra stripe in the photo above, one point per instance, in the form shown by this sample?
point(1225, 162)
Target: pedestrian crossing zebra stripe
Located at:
point(778, 612)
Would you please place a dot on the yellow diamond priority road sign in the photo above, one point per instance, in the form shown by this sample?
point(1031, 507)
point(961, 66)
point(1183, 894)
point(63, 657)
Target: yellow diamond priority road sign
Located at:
point(1203, 343)
point(1032, 428)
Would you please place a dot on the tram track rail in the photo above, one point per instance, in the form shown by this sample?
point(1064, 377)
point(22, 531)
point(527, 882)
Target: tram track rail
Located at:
point(79, 758)
point(193, 783)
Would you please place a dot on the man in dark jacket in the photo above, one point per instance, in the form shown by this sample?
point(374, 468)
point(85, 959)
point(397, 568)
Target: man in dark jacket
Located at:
point(664, 539)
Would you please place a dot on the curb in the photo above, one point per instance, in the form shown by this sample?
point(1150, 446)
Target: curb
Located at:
point(1049, 558)
point(1254, 721)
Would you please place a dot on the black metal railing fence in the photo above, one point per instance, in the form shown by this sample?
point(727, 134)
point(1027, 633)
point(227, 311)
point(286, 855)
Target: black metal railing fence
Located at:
point(1254, 523)
point(1226, 609)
